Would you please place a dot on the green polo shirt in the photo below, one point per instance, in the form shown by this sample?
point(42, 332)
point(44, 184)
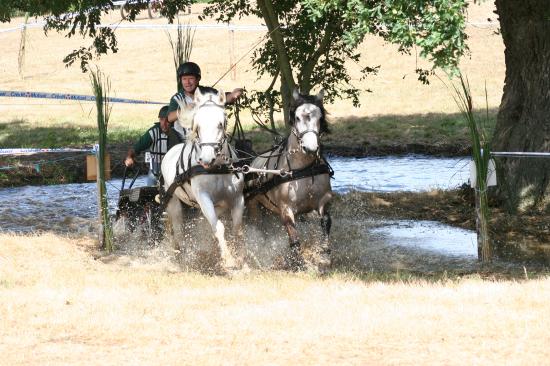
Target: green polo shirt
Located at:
point(145, 141)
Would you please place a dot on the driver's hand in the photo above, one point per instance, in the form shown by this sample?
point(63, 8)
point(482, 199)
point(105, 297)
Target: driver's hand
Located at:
point(129, 161)
point(237, 92)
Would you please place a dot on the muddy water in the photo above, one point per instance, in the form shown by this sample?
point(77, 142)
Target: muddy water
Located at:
point(365, 244)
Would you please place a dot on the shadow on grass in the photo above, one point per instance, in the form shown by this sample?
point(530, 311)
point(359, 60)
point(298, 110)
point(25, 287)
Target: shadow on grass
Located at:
point(389, 133)
point(431, 133)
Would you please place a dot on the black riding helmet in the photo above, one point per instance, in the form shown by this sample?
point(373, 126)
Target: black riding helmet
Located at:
point(163, 113)
point(189, 68)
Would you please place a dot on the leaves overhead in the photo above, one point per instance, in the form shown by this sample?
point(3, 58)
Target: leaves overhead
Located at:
point(83, 17)
point(436, 27)
point(319, 37)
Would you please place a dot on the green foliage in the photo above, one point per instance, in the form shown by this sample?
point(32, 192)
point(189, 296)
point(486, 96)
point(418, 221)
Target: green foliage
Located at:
point(60, 135)
point(430, 130)
point(319, 35)
point(309, 44)
point(436, 27)
point(315, 46)
point(83, 17)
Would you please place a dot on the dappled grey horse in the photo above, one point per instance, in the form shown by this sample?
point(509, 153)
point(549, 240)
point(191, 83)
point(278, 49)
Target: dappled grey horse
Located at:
point(304, 182)
point(198, 172)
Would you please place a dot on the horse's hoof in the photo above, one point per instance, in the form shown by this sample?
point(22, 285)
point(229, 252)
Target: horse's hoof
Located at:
point(324, 262)
point(324, 268)
point(235, 272)
point(230, 263)
point(294, 262)
point(230, 272)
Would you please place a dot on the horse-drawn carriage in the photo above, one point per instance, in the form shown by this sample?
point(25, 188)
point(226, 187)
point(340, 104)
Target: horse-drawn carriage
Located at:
point(139, 210)
point(207, 173)
point(153, 7)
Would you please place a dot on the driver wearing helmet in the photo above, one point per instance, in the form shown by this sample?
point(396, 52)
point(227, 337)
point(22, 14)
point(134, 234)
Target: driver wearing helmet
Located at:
point(158, 140)
point(189, 75)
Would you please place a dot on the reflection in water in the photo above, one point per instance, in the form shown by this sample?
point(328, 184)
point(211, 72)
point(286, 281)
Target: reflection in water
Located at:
point(367, 245)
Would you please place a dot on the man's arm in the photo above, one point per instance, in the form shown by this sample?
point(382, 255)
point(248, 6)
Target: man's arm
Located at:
point(142, 144)
point(231, 97)
point(173, 109)
point(172, 116)
point(130, 157)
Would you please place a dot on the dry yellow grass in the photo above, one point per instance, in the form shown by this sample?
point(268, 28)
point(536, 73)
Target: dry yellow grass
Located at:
point(60, 306)
point(143, 69)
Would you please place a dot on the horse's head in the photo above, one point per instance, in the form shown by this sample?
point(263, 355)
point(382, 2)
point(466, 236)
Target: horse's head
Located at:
point(307, 118)
point(208, 128)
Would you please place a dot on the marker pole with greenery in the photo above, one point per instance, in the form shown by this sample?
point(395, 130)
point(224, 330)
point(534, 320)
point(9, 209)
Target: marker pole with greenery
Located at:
point(481, 153)
point(182, 47)
point(101, 90)
point(22, 46)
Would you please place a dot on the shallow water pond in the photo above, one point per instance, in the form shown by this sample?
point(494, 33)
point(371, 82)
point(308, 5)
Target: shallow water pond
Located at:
point(72, 208)
point(63, 207)
point(398, 173)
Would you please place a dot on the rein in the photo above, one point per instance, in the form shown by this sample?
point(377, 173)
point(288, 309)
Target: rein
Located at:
point(315, 168)
point(186, 176)
point(318, 167)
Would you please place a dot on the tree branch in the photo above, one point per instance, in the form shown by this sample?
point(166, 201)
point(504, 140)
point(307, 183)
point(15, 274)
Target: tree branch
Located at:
point(305, 76)
point(272, 22)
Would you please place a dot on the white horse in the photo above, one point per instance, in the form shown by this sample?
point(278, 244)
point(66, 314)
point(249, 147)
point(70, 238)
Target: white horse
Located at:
point(208, 182)
point(308, 189)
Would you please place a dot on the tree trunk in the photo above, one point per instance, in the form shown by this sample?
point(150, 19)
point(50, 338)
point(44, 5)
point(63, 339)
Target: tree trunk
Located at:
point(523, 121)
point(287, 79)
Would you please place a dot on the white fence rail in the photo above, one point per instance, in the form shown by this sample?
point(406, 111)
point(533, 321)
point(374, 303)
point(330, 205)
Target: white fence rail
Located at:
point(520, 154)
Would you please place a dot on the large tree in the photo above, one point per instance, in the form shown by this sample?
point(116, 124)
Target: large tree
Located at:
point(523, 121)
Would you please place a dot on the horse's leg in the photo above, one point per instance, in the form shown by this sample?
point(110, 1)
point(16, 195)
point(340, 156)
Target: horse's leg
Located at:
point(294, 259)
point(209, 211)
point(175, 214)
point(237, 227)
point(237, 216)
point(253, 210)
point(326, 223)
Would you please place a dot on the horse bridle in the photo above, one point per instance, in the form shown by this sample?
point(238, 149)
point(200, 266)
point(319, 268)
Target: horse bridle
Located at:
point(216, 145)
point(300, 135)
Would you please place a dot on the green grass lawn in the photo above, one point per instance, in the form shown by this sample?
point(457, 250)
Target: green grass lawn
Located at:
point(21, 134)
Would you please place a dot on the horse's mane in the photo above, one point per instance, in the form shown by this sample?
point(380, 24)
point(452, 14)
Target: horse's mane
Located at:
point(192, 135)
point(309, 99)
